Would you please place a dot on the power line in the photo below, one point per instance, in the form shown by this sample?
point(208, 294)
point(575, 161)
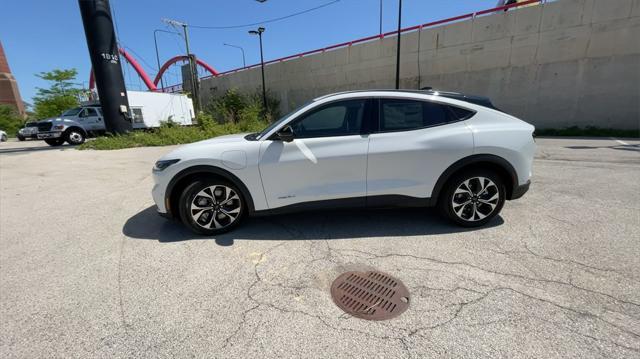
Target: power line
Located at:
point(265, 21)
point(144, 62)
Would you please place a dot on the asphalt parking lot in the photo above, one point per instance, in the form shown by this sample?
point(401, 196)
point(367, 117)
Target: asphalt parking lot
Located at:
point(87, 269)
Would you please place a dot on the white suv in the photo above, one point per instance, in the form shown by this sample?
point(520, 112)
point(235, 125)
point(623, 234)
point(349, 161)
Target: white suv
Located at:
point(355, 149)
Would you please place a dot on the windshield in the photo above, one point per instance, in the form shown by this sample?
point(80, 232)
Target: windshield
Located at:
point(281, 120)
point(72, 112)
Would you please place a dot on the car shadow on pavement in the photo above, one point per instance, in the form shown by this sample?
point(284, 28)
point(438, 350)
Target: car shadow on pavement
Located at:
point(35, 149)
point(338, 224)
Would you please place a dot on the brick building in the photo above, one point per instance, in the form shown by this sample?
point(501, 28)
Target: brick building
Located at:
point(9, 93)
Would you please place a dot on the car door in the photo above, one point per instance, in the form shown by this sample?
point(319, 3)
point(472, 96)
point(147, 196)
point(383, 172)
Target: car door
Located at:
point(88, 117)
point(327, 159)
point(100, 120)
point(414, 142)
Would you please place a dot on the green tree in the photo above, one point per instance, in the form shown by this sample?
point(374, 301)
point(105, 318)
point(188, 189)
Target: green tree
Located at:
point(10, 121)
point(61, 94)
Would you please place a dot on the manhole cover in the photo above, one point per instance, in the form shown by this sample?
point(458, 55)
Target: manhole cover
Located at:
point(370, 295)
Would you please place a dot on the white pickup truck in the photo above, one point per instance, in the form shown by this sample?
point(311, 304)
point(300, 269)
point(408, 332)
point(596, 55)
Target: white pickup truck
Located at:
point(147, 110)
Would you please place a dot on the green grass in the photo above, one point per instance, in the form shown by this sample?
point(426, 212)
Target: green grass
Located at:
point(587, 132)
point(171, 135)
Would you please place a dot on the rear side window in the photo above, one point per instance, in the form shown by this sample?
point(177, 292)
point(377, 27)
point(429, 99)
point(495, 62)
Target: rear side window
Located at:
point(460, 113)
point(406, 115)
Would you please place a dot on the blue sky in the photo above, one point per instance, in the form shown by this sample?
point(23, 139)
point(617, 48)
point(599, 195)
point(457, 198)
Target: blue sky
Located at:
point(43, 34)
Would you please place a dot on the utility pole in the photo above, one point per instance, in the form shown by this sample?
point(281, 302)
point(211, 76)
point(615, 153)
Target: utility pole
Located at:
point(398, 47)
point(103, 51)
point(155, 41)
point(264, 89)
point(195, 90)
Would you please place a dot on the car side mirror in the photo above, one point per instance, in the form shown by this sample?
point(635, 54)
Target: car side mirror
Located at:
point(285, 134)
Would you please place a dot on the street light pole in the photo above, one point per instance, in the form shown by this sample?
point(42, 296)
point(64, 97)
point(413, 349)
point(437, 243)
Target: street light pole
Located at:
point(155, 41)
point(244, 63)
point(380, 17)
point(398, 47)
point(264, 89)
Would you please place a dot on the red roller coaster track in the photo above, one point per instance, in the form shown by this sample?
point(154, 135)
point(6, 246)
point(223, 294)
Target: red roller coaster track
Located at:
point(153, 86)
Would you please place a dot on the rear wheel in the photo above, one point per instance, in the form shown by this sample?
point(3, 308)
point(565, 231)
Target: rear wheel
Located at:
point(3, 138)
point(211, 206)
point(21, 138)
point(54, 141)
point(473, 198)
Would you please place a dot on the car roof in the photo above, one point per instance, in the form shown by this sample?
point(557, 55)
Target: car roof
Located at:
point(473, 99)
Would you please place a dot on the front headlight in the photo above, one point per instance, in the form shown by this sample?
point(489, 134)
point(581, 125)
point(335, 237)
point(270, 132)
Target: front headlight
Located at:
point(161, 165)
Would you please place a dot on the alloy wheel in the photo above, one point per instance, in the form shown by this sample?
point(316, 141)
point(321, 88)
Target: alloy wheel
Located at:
point(475, 199)
point(216, 207)
point(75, 137)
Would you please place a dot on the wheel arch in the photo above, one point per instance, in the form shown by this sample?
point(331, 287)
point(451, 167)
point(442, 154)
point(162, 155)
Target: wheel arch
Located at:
point(184, 177)
point(504, 169)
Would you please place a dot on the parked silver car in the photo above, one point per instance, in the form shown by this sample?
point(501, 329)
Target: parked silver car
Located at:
point(30, 130)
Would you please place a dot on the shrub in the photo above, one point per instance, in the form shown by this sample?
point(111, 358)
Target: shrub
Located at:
point(235, 107)
point(227, 108)
point(10, 121)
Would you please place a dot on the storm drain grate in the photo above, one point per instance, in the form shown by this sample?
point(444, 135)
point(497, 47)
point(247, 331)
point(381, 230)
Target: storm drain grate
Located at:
point(370, 295)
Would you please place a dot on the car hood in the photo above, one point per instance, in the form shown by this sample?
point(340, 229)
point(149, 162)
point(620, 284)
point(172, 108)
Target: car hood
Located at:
point(210, 147)
point(57, 119)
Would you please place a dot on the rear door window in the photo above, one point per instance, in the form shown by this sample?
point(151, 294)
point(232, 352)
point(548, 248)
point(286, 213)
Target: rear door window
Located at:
point(407, 115)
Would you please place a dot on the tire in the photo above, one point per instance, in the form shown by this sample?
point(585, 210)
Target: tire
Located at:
point(74, 136)
point(210, 193)
point(54, 141)
point(3, 138)
point(466, 203)
point(20, 138)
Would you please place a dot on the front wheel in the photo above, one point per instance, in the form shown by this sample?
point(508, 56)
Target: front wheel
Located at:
point(54, 142)
point(74, 137)
point(211, 206)
point(3, 138)
point(473, 198)
point(21, 138)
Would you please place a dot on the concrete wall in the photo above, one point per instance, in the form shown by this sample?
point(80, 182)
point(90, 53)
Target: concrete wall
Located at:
point(564, 63)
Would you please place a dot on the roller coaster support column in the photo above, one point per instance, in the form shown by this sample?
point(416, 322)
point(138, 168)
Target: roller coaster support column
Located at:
point(103, 51)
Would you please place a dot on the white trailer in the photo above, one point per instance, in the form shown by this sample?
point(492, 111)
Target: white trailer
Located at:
point(150, 109)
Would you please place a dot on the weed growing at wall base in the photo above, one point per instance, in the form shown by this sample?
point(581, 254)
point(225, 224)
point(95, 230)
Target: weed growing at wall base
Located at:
point(233, 112)
point(587, 132)
point(173, 135)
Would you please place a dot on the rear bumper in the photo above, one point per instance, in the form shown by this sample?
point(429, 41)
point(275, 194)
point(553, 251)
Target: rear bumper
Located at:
point(520, 190)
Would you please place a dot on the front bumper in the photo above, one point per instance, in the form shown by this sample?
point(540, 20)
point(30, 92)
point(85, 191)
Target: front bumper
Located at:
point(520, 190)
point(47, 135)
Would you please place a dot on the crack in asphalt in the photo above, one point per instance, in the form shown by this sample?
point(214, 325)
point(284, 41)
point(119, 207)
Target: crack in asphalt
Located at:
point(329, 255)
point(586, 314)
point(259, 304)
